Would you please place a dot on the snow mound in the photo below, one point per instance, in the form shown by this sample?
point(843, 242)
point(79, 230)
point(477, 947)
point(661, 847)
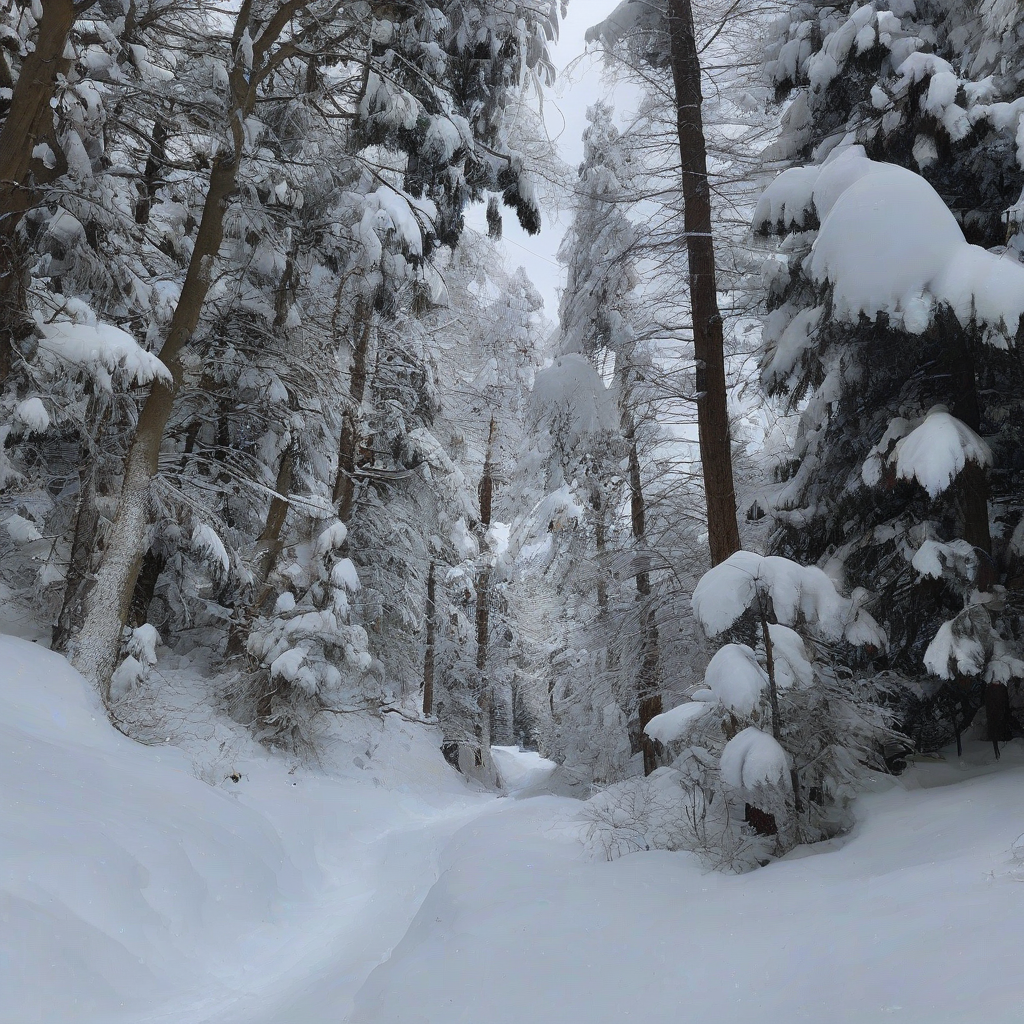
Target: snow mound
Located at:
point(752, 758)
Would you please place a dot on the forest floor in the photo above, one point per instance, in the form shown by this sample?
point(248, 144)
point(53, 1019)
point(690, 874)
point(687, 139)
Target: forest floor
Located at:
point(142, 883)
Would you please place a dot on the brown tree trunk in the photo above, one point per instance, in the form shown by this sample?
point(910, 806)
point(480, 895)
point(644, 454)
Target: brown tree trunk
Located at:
point(649, 677)
point(29, 121)
point(348, 446)
point(708, 340)
point(428, 654)
point(483, 607)
point(109, 600)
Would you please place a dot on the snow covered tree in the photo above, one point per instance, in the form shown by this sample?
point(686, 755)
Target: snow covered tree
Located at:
point(894, 310)
point(661, 34)
point(479, 53)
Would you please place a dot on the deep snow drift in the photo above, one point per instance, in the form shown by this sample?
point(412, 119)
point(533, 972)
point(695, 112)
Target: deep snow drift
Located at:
point(390, 892)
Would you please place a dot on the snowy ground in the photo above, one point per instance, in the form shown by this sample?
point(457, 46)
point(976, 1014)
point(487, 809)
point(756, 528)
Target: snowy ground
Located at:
point(389, 892)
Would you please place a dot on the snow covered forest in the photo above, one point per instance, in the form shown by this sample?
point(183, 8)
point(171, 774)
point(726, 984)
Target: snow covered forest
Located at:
point(511, 509)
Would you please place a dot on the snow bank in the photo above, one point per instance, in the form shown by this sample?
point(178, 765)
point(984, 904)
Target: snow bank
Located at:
point(130, 890)
point(120, 870)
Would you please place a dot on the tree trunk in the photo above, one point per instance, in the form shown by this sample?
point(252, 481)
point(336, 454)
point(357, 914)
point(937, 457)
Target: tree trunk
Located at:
point(428, 654)
point(155, 163)
point(107, 605)
point(483, 609)
point(971, 488)
point(29, 121)
point(708, 340)
point(649, 677)
point(80, 564)
point(348, 446)
point(145, 587)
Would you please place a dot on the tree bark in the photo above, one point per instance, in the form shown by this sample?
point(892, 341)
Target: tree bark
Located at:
point(29, 121)
point(483, 608)
point(429, 651)
point(107, 605)
point(649, 677)
point(708, 339)
point(348, 445)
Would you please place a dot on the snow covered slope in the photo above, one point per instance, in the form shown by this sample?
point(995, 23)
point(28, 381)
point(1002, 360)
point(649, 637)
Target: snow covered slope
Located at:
point(132, 891)
point(916, 920)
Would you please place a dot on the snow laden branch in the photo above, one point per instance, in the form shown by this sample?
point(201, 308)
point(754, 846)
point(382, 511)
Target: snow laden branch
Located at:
point(798, 595)
point(889, 245)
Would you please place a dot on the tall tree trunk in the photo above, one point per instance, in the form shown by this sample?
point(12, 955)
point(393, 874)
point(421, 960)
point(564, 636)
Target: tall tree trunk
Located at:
point(429, 652)
point(29, 121)
point(649, 676)
point(483, 608)
point(708, 340)
point(348, 446)
point(96, 648)
point(971, 488)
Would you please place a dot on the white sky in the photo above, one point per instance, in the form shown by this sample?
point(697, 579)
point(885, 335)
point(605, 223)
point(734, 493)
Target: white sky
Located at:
point(565, 109)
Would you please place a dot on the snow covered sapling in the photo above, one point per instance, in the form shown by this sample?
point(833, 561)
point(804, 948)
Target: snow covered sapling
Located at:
point(821, 725)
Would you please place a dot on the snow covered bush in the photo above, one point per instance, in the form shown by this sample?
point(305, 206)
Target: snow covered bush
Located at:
point(776, 741)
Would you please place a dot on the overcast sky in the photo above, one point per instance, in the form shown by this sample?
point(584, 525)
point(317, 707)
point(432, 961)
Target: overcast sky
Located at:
point(580, 83)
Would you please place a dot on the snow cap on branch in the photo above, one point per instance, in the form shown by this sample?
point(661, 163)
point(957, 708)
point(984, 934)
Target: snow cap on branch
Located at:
point(797, 593)
point(752, 758)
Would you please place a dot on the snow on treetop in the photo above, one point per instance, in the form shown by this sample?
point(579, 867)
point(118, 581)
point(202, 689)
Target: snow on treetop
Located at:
point(889, 244)
point(935, 452)
point(797, 592)
point(955, 650)
point(752, 758)
point(798, 191)
point(792, 664)
point(736, 679)
point(570, 399)
point(675, 723)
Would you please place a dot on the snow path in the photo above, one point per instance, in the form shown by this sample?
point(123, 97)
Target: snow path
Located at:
point(914, 919)
point(309, 970)
point(389, 892)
